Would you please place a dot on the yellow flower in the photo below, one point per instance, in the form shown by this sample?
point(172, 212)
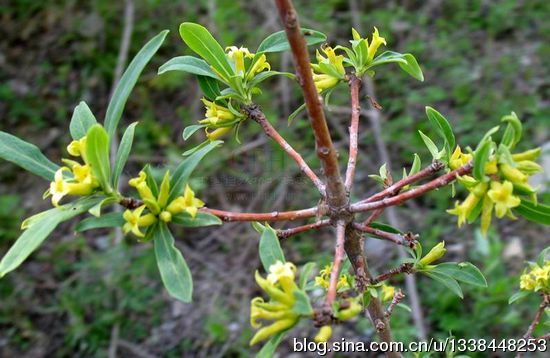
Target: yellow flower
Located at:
point(324, 334)
point(459, 159)
point(491, 167)
point(435, 254)
point(324, 277)
point(486, 214)
point(77, 148)
point(376, 42)
point(187, 203)
point(59, 188)
point(513, 174)
point(336, 61)
point(84, 185)
point(134, 220)
point(217, 133)
point(353, 310)
point(463, 210)
point(279, 270)
point(501, 195)
point(216, 114)
point(526, 282)
point(387, 292)
point(140, 183)
point(258, 66)
point(531, 154)
point(238, 55)
point(537, 279)
point(324, 81)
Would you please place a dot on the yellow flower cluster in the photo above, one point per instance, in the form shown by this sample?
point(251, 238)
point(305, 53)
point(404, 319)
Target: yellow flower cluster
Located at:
point(500, 192)
point(279, 286)
point(329, 70)
point(324, 277)
point(376, 42)
point(238, 54)
point(536, 279)
point(219, 118)
point(74, 178)
point(158, 207)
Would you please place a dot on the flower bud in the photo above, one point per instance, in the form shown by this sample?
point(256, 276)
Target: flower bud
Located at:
point(512, 174)
point(324, 334)
point(348, 313)
point(435, 254)
point(217, 133)
point(528, 167)
point(531, 154)
point(165, 216)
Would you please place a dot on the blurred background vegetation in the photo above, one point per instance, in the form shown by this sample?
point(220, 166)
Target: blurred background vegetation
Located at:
point(83, 296)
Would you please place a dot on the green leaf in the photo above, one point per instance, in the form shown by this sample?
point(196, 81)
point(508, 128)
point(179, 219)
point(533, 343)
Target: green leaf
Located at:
point(104, 221)
point(26, 155)
point(442, 126)
point(518, 296)
point(209, 86)
point(269, 348)
point(190, 130)
point(306, 272)
point(406, 61)
point(481, 156)
point(97, 152)
point(464, 272)
point(203, 43)
point(202, 219)
point(128, 81)
point(38, 230)
point(446, 280)
point(417, 163)
point(296, 112)
point(186, 167)
point(123, 152)
point(432, 148)
point(513, 131)
point(543, 256)
point(538, 213)
point(150, 180)
point(302, 306)
point(189, 64)
point(173, 269)
point(277, 42)
point(96, 209)
point(82, 120)
point(270, 248)
point(385, 227)
point(262, 76)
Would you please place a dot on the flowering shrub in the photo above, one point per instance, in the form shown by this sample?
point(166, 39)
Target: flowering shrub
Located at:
point(493, 174)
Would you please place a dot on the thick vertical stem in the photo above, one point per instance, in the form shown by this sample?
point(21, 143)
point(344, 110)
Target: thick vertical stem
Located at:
point(336, 194)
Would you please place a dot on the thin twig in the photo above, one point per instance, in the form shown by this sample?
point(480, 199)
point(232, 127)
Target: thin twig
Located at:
point(404, 240)
point(254, 112)
point(403, 268)
point(338, 257)
point(355, 84)
point(229, 216)
point(413, 193)
point(372, 217)
point(545, 303)
point(286, 233)
point(397, 297)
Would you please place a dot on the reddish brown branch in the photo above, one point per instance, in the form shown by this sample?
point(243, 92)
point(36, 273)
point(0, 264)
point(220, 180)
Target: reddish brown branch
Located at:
point(545, 303)
point(404, 240)
point(355, 84)
point(272, 216)
point(336, 194)
point(413, 193)
point(285, 233)
point(254, 112)
point(338, 257)
point(403, 268)
point(397, 186)
point(372, 217)
point(397, 297)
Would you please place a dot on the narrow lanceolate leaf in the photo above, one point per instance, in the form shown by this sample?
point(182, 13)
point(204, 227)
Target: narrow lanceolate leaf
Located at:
point(278, 42)
point(432, 148)
point(104, 221)
point(26, 155)
point(306, 272)
point(184, 170)
point(513, 131)
point(464, 272)
point(39, 229)
point(406, 61)
point(446, 281)
point(269, 348)
point(97, 151)
point(442, 126)
point(518, 296)
point(385, 227)
point(270, 248)
point(123, 152)
point(200, 220)
point(189, 64)
point(199, 39)
point(82, 120)
point(209, 86)
point(173, 269)
point(481, 156)
point(538, 213)
point(128, 81)
point(190, 130)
